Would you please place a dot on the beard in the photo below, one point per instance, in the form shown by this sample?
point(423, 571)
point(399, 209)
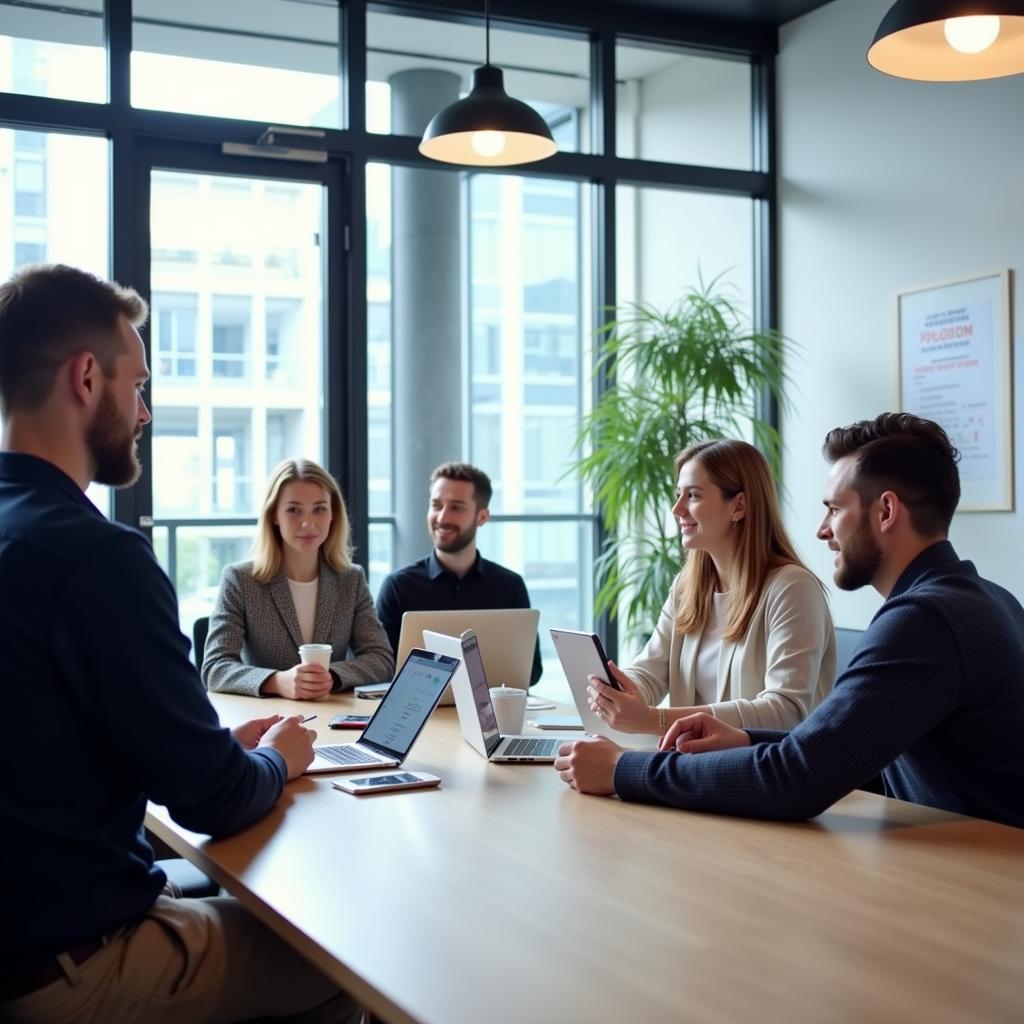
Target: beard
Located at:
point(457, 543)
point(859, 559)
point(111, 443)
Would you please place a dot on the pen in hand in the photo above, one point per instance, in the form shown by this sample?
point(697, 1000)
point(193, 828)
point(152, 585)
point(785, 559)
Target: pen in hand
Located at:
point(308, 718)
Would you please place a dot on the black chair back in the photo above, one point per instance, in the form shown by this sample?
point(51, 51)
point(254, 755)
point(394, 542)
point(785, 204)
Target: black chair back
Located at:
point(199, 630)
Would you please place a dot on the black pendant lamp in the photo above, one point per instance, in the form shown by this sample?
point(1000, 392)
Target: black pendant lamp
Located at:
point(950, 40)
point(488, 128)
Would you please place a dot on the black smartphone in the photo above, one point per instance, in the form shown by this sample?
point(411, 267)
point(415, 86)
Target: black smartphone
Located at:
point(349, 721)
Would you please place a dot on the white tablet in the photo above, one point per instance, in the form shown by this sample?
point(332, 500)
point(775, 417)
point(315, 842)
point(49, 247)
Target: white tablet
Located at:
point(582, 655)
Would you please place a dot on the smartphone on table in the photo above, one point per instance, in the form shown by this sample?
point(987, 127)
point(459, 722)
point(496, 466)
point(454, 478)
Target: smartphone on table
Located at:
point(384, 783)
point(349, 721)
point(556, 722)
point(372, 691)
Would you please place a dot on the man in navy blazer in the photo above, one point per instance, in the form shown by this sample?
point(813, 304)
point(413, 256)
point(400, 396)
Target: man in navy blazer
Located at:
point(933, 698)
point(110, 706)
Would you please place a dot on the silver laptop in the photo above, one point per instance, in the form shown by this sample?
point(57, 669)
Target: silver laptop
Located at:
point(582, 655)
point(507, 636)
point(398, 720)
point(473, 703)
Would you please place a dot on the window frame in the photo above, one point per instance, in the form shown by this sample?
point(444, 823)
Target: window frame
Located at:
point(131, 133)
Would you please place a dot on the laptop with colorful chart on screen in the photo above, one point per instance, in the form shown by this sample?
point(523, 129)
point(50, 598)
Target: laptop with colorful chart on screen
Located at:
point(398, 720)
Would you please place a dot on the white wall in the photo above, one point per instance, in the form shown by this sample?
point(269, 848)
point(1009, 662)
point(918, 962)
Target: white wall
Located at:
point(884, 185)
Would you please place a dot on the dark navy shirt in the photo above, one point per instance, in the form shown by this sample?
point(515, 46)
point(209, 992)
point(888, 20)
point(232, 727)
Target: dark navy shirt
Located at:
point(427, 585)
point(103, 709)
point(933, 698)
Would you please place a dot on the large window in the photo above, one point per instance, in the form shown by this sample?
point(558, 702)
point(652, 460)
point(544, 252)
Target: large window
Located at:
point(462, 305)
point(237, 342)
point(53, 48)
point(709, 236)
point(267, 60)
point(510, 263)
point(683, 107)
point(54, 208)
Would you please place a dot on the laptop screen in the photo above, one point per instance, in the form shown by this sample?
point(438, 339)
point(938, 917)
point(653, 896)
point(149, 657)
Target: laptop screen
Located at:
point(405, 708)
point(481, 693)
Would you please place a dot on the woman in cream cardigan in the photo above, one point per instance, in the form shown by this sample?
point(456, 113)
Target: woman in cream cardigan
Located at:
point(300, 588)
point(746, 633)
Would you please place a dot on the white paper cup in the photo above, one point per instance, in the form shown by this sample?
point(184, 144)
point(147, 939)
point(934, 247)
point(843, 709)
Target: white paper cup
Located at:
point(316, 654)
point(509, 703)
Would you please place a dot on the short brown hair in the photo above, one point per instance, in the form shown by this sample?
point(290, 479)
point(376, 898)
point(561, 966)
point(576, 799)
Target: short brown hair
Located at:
point(50, 313)
point(481, 482)
point(903, 453)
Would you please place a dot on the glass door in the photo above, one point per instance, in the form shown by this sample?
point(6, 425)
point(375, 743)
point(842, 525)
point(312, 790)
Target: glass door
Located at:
point(238, 338)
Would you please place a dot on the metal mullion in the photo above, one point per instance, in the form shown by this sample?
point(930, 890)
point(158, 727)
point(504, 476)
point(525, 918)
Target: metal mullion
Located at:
point(129, 206)
point(603, 214)
point(353, 64)
point(346, 411)
point(765, 305)
point(45, 113)
point(117, 31)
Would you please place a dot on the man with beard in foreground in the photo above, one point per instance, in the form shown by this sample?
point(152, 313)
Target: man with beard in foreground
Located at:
point(453, 575)
point(109, 709)
point(933, 698)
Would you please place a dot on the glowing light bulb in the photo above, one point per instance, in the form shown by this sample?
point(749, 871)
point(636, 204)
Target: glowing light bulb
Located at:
point(972, 34)
point(488, 143)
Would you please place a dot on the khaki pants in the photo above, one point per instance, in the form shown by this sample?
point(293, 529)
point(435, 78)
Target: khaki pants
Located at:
point(192, 961)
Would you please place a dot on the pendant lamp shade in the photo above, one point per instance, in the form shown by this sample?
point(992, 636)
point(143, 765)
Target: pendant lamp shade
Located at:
point(950, 40)
point(488, 128)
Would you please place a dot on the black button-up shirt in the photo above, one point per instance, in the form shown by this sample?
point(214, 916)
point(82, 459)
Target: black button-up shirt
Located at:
point(427, 585)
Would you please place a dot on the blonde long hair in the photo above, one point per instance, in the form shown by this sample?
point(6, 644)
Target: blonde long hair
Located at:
point(336, 549)
point(761, 542)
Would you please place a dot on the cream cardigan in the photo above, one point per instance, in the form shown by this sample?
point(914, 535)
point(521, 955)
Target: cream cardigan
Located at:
point(772, 678)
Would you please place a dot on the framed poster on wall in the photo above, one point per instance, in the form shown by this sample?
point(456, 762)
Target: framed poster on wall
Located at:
point(955, 368)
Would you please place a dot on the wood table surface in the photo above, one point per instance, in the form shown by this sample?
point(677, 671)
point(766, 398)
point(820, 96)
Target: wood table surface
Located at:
point(505, 897)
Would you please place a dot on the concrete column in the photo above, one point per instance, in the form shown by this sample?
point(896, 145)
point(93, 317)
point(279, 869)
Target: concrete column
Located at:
point(426, 310)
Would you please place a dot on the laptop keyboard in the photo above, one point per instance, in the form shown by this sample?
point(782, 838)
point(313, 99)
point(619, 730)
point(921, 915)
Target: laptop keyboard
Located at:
point(532, 748)
point(345, 753)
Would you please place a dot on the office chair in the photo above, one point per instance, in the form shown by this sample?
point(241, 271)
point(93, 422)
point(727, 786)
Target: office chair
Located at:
point(199, 630)
point(846, 644)
point(186, 880)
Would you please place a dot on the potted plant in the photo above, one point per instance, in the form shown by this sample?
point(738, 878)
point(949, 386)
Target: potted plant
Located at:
point(693, 371)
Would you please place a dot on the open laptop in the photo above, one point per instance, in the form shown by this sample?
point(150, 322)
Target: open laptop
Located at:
point(398, 720)
point(473, 703)
point(580, 658)
point(507, 637)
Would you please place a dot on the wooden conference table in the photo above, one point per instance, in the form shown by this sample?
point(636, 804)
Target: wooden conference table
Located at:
point(504, 897)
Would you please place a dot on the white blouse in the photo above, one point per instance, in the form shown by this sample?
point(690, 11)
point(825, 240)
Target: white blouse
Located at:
point(706, 676)
point(304, 597)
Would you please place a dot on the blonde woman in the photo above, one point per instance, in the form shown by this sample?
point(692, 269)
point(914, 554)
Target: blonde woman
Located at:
point(300, 587)
point(746, 633)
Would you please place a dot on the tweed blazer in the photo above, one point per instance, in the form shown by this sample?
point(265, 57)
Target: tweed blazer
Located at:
point(254, 630)
point(772, 678)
